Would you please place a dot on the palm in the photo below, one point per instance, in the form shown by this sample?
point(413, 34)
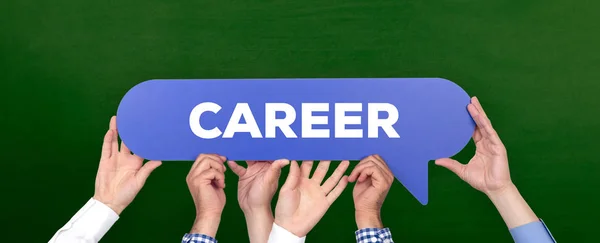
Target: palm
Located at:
point(253, 189)
point(307, 197)
point(487, 170)
point(127, 185)
point(303, 200)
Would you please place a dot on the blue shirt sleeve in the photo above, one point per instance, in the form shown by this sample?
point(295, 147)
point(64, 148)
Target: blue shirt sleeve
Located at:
point(534, 232)
point(197, 238)
point(374, 235)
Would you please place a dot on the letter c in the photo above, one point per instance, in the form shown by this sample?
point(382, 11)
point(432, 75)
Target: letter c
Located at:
point(195, 120)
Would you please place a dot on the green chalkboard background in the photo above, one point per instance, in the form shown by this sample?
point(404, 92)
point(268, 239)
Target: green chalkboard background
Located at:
point(65, 64)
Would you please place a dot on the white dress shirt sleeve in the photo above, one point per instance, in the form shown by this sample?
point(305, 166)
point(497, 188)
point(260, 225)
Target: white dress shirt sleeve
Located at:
point(88, 225)
point(281, 235)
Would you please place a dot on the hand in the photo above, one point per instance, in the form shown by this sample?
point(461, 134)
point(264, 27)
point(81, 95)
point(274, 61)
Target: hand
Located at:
point(488, 169)
point(206, 181)
point(256, 186)
point(120, 174)
point(258, 183)
point(373, 181)
point(303, 201)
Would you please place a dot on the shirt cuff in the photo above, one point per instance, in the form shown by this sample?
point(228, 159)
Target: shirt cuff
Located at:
point(197, 238)
point(534, 232)
point(90, 223)
point(373, 235)
point(279, 235)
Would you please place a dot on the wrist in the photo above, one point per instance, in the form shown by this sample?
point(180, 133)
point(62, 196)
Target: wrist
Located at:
point(259, 218)
point(290, 226)
point(368, 219)
point(257, 211)
point(508, 191)
point(116, 208)
point(259, 222)
point(512, 207)
point(206, 225)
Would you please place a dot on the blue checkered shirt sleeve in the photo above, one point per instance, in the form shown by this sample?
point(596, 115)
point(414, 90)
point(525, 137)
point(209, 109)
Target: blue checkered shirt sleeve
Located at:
point(197, 238)
point(373, 235)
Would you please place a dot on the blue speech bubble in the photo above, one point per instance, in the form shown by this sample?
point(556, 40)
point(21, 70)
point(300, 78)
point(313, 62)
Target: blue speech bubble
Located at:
point(407, 121)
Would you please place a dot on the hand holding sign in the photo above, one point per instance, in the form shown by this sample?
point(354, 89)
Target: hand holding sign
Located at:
point(488, 169)
point(206, 181)
point(256, 186)
point(488, 172)
point(121, 175)
point(373, 181)
point(407, 121)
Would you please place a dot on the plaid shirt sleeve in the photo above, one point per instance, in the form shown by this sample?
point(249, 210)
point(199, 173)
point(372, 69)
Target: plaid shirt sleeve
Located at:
point(197, 238)
point(374, 235)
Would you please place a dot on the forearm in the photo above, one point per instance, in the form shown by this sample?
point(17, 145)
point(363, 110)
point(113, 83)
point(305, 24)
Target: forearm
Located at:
point(512, 207)
point(259, 223)
point(370, 228)
point(368, 219)
point(206, 225)
point(89, 224)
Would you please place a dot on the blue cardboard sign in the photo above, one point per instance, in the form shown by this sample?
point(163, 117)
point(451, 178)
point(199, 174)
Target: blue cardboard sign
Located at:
point(407, 121)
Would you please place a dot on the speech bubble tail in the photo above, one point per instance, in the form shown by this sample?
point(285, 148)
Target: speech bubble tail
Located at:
point(413, 176)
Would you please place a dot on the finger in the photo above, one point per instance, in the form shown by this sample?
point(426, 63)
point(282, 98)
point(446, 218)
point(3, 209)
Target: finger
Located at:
point(484, 126)
point(275, 170)
point(146, 170)
point(293, 177)
point(477, 104)
point(321, 171)
point(366, 172)
point(203, 157)
point(337, 191)
point(213, 176)
point(386, 172)
point(452, 165)
point(113, 123)
point(380, 161)
point(483, 121)
point(106, 145)
point(209, 163)
point(306, 168)
point(236, 168)
point(476, 135)
point(196, 162)
point(385, 169)
point(378, 178)
point(125, 149)
point(362, 165)
point(335, 176)
point(115, 136)
point(478, 118)
point(134, 161)
point(251, 162)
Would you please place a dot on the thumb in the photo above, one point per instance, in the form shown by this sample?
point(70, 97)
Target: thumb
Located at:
point(145, 171)
point(452, 165)
point(236, 168)
point(275, 170)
